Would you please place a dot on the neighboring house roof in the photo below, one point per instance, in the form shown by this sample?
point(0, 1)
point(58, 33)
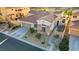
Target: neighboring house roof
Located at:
point(74, 28)
point(50, 18)
point(42, 13)
point(33, 18)
point(12, 7)
point(76, 13)
point(75, 24)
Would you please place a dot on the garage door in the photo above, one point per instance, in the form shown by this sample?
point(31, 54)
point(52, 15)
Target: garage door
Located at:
point(26, 25)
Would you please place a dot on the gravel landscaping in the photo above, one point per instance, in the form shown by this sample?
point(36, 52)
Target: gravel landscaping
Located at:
point(43, 41)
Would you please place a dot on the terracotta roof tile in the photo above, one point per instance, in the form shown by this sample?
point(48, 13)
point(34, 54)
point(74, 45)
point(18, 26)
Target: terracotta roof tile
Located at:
point(49, 18)
point(76, 13)
point(75, 24)
point(35, 17)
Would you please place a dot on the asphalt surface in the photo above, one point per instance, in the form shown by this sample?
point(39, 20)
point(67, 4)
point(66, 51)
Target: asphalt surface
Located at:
point(13, 44)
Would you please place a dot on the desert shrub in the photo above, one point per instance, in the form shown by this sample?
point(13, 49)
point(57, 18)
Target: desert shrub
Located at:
point(38, 35)
point(32, 30)
point(56, 36)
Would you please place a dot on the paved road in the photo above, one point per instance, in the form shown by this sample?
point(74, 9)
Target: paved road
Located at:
point(74, 43)
point(12, 44)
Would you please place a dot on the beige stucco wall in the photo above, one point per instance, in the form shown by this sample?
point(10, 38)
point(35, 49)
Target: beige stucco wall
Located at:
point(49, 26)
point(43, 22)
point(39, 30)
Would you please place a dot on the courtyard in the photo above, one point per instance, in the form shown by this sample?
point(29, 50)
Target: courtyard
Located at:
point(42, 42)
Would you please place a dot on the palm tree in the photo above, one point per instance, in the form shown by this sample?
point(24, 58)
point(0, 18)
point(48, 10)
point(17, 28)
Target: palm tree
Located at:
point(67, 13)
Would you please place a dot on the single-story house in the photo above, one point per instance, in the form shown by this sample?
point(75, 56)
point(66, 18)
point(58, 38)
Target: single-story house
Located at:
point(43, 22)
point(74, 32)
point(32, 18)
point(74, 24)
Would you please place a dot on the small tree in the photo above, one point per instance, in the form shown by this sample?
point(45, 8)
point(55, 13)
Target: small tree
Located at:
point(64, 45)
point(38, 35)
point(32, 30)
point(56, 36)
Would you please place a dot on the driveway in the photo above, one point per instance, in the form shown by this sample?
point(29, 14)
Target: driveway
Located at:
point(19, 32)
point(74, 43)
point(3, 27)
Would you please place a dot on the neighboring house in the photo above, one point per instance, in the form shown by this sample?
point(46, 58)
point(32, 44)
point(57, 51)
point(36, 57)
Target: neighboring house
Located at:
point(12, 13)
point(74, 36)
point(43, 22)
point(74, 24)
point(74, 32)
point(17, 12)
point(75, 15)
point(46, 24)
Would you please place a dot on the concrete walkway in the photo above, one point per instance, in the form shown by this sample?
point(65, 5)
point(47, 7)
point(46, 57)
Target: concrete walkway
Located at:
point(52, 39)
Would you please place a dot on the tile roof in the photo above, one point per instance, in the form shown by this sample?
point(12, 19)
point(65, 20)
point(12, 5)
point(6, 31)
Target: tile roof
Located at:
point(49, 18)
point(42, 13)
point(74, 28)
point(13, 7)
point(75, 24)
point(36, 16)
point(76, 13)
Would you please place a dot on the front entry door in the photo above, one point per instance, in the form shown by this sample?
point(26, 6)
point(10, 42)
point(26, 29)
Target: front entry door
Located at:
point(43, 29)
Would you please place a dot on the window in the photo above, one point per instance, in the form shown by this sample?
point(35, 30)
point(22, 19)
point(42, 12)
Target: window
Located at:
point(35, 25)
point(74, 16)
point(43, 29)
point(43, 25)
